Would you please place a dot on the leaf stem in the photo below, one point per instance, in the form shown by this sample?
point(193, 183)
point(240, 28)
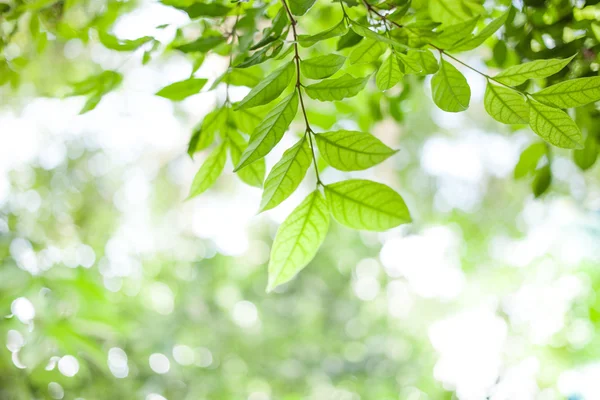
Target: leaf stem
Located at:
point(299, 86)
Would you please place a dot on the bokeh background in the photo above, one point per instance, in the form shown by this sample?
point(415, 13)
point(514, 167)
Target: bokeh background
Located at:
point(114, 287)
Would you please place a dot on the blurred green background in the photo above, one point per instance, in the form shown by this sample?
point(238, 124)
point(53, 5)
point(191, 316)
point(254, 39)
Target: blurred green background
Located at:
point(113, 287)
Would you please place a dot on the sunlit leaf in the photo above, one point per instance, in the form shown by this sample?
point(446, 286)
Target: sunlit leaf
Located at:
point(450, 89)
point(363, 204)
point(298, 239)
point(183, 89)
point(209, 171)
point(554, 126)
point(368, 33)
point(270, 131)
point(367, 52)
point(351, 150)
point(454, 11)
point(517, 74)
point(337, 88)
point(572, 93)
point(112, 42)
point(420, 62)
point(529, 159)
point(201, 45)
point(338, 30)
point(322, 66)
point(286, 175)
point(505, 105)
point(300, 7)
point(203, 136)
point(389, 73)
point(270, 88)
point(452, 34)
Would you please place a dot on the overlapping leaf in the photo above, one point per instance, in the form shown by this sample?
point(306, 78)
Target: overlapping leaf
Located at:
point(253, 174)
point(321, 67)
point(270, 88)
point(572, 93)
point(270, 131)
point(554, 125)
point(338, 30)
point(336, 89)
point(517, 74)
point(450, 89)
point(351, 150)
point(478, 39)
point(389, 73)
point(298, 239)
point(363, 204)
point(286, 175)
point(505, 105)
point(209, 171)
point(367, 52)
point(452, 34)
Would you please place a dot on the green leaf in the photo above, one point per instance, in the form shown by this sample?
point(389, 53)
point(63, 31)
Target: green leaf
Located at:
point(554, 126)
point(542, 181)
point(572, 93)
point(529, 159)
point(351, 150)
point(367, 52)
point(363, 204)
point(253, 174)
point(452, 34)
point(453, 11)
point(204, 135)
point(270, 88)
point(112, 42)
point(338, 30)
point(517, 74)
point(209, 171)
point(201, 45)
point(586, 157)
point(248, 77)
point(300, 7)
point(322, 66)
point(505, 105)
point(298, 239)
point(477, 40)
point(389, 73)
point(247, 120)
point(183, 89)
point(206, 10)
point(450, 89)
point(336, 89)
point(286, 175)
point(270, 131)
point(350, 39)
point(368, 33)
point(420, 62)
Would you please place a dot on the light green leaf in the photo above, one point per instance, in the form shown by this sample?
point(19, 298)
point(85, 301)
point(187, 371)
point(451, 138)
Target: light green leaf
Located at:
point(336, 89)
point(112, 42)
point(270, 131)
point(201, 45)
point(505, 105)
point(363, 204)
point(248, 77)
point(253, 174)
point(368, 33)
point(420, 62)
point(203, 136)
point(270, 88)
point(351, 150)
point(248, 120)
point(529, 159)
point(450, 89)
point(367, 52)
point(453, 11)
point(517, 74)
point(322, 66)
point(477, 40)
point(389, 73)
point(209, 171)
point(286, 175)
point(338, 30)
point(572, 93)
point(452, 34)
point(586, 157)
point(183, 89)
point(300, 7)
point(298, 239)
point(409, 65)
point(554, 126)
